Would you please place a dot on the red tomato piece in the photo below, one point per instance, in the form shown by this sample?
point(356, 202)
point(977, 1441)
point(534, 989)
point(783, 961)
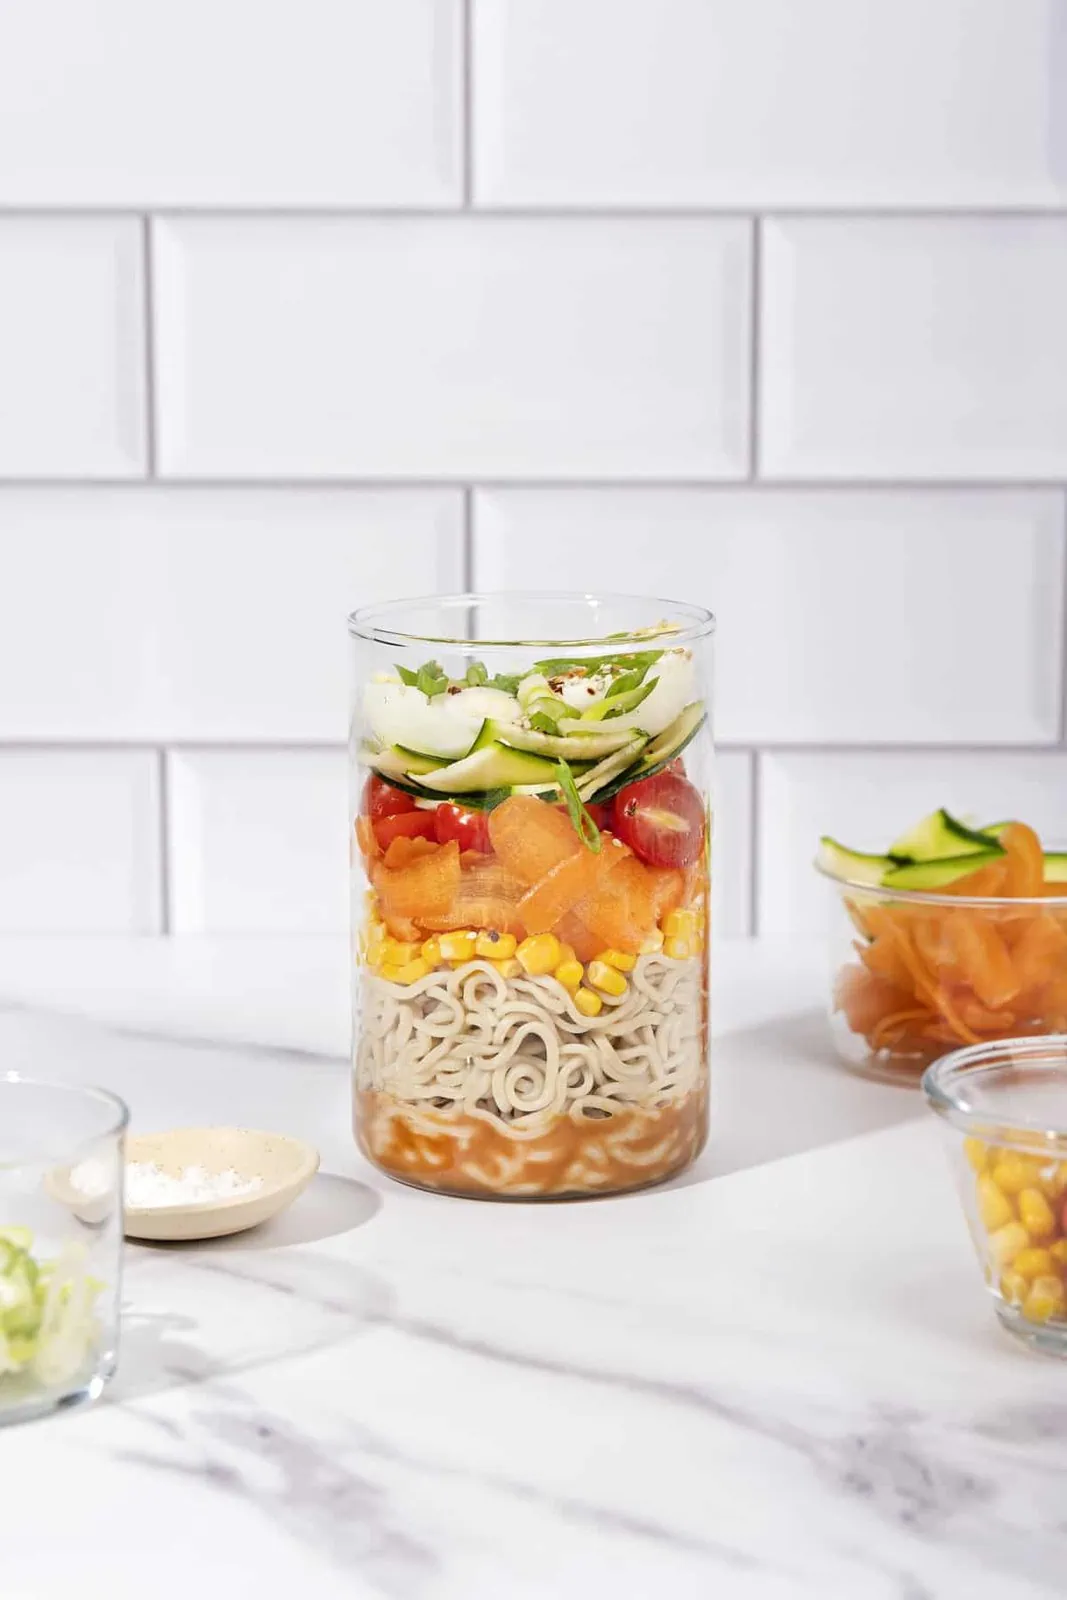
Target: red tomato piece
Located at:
point(470, 829)
point(601, 815)
point(381, 799)
point(406, 825)
point(661, 819)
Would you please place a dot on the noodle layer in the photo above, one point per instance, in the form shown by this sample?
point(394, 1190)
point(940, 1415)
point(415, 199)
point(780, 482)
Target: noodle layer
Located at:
point(469, 1081)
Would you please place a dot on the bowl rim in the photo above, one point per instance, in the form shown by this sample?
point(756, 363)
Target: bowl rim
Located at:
point(879, 891)
point(371, 622)
point(310, 1161)
point(941, 1081)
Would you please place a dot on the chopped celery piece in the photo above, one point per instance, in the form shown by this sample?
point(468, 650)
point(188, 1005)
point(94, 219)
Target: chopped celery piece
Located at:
point(47, 1325)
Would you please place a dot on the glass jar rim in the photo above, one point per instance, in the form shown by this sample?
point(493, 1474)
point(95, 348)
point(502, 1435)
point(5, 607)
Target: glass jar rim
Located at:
point(942, 1084)
point(83, 1091)
point(879, 891)
point(371, 622)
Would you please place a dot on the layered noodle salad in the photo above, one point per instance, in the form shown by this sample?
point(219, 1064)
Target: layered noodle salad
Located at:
point(532, 1010)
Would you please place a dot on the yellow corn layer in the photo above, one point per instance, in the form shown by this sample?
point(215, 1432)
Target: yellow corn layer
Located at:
point(509, 967)
point(396, 952)
point(495, 946)
point(569, 974)
point(994, 1207)
point(1034, 1263)
point(458, 946)
point(677, 947)
point(977, 1153)
point(588, 1003)
point(409, 972)
point(652, 943)
point(1035, 1214)
point(1058, 1252)
point(1013, 1172)
point(619, 959)
point(1047, 1298)
point(540, 954)
point(431, 951)
point(1007, 1242)
point(605, 978)
point(1014, 1287)
point(679, 924)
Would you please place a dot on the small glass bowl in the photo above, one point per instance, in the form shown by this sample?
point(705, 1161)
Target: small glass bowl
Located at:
point(61, 1171)
point(1003, 1106)
point(914, 975)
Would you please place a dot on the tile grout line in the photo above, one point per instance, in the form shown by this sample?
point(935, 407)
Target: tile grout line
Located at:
point(549, 484)
point(166, 898)
point(467, 565)
point(149, 315)
point(1063, 621)
point(467, 102)
point(755, 786)
point(583, 211)
point(755, 341)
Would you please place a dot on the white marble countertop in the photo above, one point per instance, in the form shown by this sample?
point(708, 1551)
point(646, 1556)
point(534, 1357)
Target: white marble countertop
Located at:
point(775, 1377)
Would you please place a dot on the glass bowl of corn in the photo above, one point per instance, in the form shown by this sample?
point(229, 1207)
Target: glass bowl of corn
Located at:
point(1003, 1106)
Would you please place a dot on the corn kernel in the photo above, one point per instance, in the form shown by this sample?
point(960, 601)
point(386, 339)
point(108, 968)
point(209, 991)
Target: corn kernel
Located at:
point(652, 943)
point(495, 946)
point(1052, 1179)
point(1006, 1243)
point(540, 954)
point(1034, 1263)
point(1058, 1252)
point(605, 978)
point(679, 924)
point(677, 948)
point(458, 946)
point(588, 1003)
point(1035, 1214)
point(569, 974)
point(409, 972)
point(1047, 1298)
point(566, 952)
point(1014, 1288)
point(396, 952)
point(508, 968)
point(977, 1153)
point(431, 951)
point(994, 1208)
point(619, 959)
point(1013, 1172)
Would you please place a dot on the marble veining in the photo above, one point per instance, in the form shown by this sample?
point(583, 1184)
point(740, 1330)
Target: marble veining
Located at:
point(777, 1382)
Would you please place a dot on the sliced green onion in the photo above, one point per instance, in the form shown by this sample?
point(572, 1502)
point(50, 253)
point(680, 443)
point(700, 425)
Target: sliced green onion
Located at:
point(584, 826)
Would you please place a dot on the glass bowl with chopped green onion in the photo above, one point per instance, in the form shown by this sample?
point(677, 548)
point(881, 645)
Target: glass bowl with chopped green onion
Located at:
point(61, 1163)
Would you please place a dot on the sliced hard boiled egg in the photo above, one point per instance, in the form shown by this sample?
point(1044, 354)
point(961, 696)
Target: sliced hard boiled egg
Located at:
point(401, 714)
point(482, 702)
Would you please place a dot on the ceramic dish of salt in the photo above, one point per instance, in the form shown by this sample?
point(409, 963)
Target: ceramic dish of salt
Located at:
point(202, 1183)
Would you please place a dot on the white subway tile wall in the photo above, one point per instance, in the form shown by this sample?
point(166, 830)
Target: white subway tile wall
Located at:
point(761, 305)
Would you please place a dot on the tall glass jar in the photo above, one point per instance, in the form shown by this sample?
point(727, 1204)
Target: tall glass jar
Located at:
point(531, 831)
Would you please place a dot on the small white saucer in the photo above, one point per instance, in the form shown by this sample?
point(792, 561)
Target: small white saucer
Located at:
point(285, 1165)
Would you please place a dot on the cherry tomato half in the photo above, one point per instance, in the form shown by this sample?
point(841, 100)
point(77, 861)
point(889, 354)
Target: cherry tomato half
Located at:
point(404, 825)
point(602, 815)
point(661, 819)
point(470, 829)
point(381, 799)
